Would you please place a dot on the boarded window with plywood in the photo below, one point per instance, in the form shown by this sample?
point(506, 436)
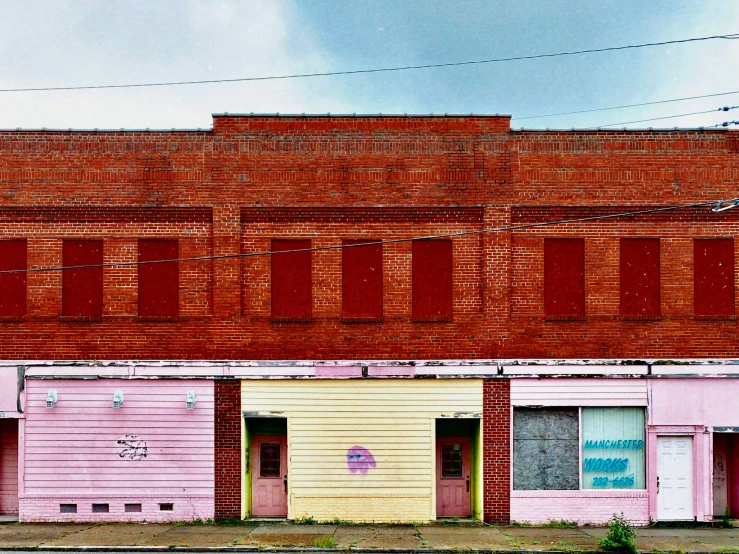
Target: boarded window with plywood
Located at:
point(714, 277)
point(432, 280)
point(361, 280)
point(640, 278)
point(564, 278)
point(546, 444)
point(13, 259)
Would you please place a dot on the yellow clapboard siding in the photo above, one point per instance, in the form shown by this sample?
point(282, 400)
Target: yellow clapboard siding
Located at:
point(393, 419)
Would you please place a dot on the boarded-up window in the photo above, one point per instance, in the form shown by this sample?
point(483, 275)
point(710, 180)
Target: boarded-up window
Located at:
point(13, 257)
point(613, 447)
point(82, 288)
point(158, 281)
point(714, 277)
point(291, 280)
point(564, 278)
point(640, 277)
point(432, 280)
point(361, 279)
point(546, 449)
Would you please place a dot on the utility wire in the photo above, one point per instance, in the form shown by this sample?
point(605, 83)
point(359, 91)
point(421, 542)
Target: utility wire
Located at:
point(731, 36)
point(722, 109)
point(715, 203)
point(628, 105)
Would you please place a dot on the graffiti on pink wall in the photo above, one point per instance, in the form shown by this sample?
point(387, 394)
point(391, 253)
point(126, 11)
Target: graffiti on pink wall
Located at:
point(359, 459)
point(134, 448)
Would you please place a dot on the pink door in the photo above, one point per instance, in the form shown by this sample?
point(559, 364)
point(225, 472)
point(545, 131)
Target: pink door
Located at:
point(269, 477)
point(453, 477)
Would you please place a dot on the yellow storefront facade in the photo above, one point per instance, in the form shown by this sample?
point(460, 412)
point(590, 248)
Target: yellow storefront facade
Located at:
point(362, 450)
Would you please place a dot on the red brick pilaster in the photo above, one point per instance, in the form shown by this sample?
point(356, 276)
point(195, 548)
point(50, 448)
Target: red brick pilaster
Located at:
point(227, 449)
point(496, 436)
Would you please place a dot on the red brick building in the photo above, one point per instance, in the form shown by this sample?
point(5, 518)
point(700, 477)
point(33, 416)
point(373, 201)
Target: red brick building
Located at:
point(168, 235)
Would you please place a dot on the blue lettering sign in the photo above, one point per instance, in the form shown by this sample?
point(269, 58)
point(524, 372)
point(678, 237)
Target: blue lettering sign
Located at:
point(614, 445)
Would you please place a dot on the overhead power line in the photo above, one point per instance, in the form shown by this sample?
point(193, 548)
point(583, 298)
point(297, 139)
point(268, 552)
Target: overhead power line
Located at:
point(628, 105)
point(718, 204)
point(731, 36)
point(721, 109)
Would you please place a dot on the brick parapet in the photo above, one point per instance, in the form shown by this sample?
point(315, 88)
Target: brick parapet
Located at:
point(216, 190)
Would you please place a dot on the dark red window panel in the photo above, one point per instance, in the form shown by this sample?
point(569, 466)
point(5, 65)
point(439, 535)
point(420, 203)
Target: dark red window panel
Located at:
point(432, 280)
point(13, 257)
point(639, 277)
point(291, 280)
point(82, 289)
point(361, 280)
point(159, 283)
point(564, 278)
point(714, 277)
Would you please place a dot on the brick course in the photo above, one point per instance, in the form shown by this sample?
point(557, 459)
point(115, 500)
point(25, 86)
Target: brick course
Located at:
point(496, 450)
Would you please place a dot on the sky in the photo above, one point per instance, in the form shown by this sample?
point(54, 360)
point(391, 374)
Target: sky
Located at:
point(70, 43)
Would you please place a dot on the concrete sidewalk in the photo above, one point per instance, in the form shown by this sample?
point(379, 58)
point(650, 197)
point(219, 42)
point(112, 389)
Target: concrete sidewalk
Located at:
point(424, 538)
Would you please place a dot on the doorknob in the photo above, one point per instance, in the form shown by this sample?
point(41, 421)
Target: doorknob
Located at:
point(468, 483)
point(285, 484)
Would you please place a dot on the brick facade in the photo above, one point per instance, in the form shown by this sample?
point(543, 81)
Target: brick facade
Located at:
point(227, 451)
point(230, 191)
point(496, 450)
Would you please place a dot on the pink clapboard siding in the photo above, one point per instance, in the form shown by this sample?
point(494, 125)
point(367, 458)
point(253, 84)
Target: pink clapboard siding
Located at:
point(594, 507)
point(152, 450)
point(8, 389)
point(8, 466)
point(552, 391)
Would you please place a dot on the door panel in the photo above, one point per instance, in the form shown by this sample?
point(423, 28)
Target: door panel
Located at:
point(269, 476)
point(453, 477)
point(675, 478)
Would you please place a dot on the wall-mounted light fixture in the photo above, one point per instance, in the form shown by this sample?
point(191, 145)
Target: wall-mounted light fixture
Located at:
point(117, 398)
point(51, 399)
point(190, 400)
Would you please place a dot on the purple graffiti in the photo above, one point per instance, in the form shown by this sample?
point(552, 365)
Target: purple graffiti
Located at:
point(358, 458)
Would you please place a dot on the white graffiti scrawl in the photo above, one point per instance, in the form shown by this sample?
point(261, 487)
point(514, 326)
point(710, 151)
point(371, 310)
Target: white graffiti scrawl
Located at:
point(134, 448)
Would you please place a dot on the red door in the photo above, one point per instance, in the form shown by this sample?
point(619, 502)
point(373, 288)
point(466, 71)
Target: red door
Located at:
point(269, 477)
point(453, 477)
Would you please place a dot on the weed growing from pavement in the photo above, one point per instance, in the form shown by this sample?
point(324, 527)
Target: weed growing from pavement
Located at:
point(725, 522)
point(560, 524)
point(727, 549)
point(304, 520)
point(325, 542)
point(566, 546)
point(620, 536)
point(515, 523)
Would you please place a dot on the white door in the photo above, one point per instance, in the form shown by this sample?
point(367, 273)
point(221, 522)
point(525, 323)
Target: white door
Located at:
point(675, 478)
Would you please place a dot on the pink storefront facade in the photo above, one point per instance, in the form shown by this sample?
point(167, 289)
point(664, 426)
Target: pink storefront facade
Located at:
point(693, 443)
point(563, 485)
point(115, 448)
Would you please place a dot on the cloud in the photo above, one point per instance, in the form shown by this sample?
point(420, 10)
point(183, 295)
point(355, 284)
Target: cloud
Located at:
point(71, 43)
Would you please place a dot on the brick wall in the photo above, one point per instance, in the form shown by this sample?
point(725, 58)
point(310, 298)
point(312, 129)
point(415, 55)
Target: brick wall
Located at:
point(227, 450)
point(230, 191)
point(496, 454)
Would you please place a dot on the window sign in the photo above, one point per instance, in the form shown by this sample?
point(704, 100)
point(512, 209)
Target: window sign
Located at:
point(613, 446)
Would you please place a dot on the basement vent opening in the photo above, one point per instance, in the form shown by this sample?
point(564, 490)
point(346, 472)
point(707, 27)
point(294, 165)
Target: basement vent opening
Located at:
point(133, 508)
point(100, 508)
point(67, 508)
point(167, 507)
